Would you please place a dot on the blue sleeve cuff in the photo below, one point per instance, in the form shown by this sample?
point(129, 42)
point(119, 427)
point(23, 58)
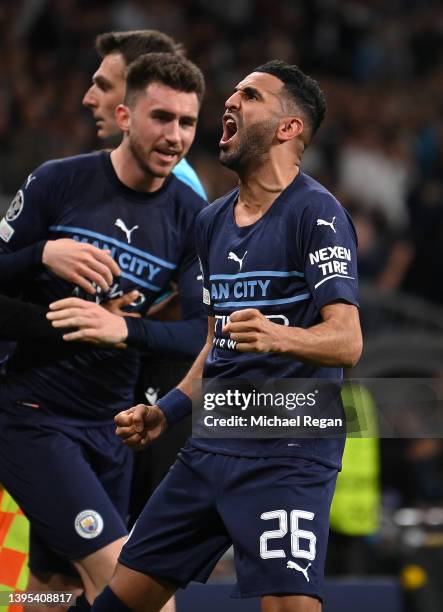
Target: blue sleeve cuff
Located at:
point(175, 405)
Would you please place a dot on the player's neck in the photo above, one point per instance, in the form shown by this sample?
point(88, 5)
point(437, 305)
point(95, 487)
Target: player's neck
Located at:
point(261, 186)
point(131, 174)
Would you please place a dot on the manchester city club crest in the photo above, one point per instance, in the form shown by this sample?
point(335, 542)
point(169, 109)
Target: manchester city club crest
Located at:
point(16, 206)
point(88, 524)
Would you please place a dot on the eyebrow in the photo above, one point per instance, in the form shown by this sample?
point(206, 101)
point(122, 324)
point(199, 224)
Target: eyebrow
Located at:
point(169, 115)
point(101, 81)
point(250, 91)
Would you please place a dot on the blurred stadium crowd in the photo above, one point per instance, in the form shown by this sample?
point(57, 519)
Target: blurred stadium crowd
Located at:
point(380, 63)
point(380, 150)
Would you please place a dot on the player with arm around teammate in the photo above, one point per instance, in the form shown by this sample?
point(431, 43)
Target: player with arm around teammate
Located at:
point(57, 446)
point(279, 227)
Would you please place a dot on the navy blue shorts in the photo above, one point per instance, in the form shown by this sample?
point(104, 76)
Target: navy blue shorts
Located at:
point(72, 482)
point(275, 512)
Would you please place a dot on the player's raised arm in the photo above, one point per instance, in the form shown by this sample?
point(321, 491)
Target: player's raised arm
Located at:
point(140, 425)
point(335, 342)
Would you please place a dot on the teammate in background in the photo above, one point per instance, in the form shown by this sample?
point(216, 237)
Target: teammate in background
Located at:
point(223, 491)
point(118, 50)
point(84, 265)
point(58, 449)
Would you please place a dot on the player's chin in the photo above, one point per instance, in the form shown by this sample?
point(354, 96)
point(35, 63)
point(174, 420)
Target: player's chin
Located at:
point(227, 157)
point(102, 131)
point(163, 169)
point(161, 172)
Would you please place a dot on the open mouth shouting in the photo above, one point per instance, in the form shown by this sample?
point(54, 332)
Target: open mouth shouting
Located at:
point(168, 156)
point(230, 129)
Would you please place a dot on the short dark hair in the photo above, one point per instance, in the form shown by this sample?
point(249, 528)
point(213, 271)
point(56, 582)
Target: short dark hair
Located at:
point(132, 44)
point(175, 71)
point(301, 89)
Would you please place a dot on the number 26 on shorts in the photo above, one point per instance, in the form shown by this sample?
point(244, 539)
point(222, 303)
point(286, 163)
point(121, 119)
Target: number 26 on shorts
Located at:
point(297, 535)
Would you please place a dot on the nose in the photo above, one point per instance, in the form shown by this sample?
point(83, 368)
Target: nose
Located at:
point(233, 102)
point(89, 99)
point(173, 132)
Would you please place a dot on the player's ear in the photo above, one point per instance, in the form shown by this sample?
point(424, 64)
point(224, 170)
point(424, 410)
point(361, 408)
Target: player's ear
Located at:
point(123, 118)
point(289, 128)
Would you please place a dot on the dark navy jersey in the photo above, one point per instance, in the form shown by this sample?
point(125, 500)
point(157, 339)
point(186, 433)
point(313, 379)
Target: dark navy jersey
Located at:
point(150, 236)
point(300, 256)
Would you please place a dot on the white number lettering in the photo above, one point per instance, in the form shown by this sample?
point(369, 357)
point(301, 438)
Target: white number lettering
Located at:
point(297, 535)
point(300, 534)
point(277, 533)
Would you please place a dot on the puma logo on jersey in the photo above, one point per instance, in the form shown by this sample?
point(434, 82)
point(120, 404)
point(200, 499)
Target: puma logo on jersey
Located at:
point(120, 224)
point(330, 223)
point(298, 568)
point(234, 257)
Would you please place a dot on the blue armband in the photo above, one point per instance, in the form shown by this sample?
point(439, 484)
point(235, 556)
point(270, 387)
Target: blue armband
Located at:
point(175, 405)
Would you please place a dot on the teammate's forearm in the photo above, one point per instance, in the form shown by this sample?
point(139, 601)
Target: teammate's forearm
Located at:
point(15, 266)
point(166, 337)
point(23, 321)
